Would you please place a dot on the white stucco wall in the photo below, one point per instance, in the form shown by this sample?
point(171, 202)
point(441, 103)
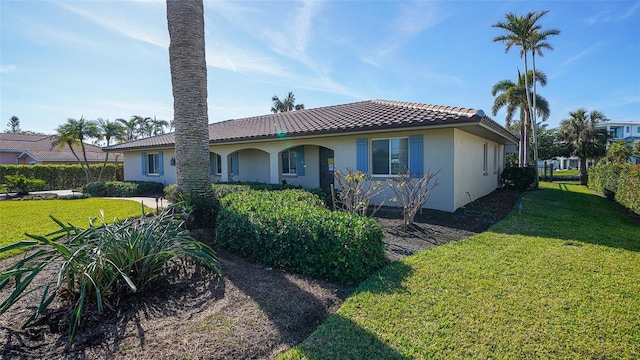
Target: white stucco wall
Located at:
point(133, 166)
point(470, 182)
point(442, 149)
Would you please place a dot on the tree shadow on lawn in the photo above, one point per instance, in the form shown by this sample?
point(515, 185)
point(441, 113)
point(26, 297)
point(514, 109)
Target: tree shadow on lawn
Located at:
point(576, 217)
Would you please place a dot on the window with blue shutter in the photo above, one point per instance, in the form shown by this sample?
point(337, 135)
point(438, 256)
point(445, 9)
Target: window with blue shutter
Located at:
point(299, 160)
point(234, 163)
point(144, 163)
point(362, 155)
point(160, 164)
point(212, 164)
point(416, 156)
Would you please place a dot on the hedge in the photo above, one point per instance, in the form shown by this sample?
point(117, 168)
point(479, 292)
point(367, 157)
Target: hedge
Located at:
point(122, 188)
point(620, 182)
point(292, 230)
point(59, 176)
point(519, 177)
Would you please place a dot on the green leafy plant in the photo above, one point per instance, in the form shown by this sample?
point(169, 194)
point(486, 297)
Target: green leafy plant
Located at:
point(412, 193)
point(61, 176)
point(122, 188)
point(518, 177)
point(293, 230)
point(356, 191)
point(99, 263)
point(22, 185)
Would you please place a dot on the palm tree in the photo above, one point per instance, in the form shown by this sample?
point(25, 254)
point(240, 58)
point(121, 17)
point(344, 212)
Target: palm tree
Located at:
point(74, 133)
point(579, 132)
point(158, 126)
point(287, 104)
point(519, 31)
point(130, 127)
point(513, 96)
point(185, 20)
point(109, 130)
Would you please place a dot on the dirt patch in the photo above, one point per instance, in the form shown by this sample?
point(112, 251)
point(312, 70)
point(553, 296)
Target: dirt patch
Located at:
point(253, 312)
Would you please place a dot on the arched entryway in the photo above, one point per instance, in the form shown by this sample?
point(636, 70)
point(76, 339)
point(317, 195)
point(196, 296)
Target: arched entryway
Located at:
point(327, 167)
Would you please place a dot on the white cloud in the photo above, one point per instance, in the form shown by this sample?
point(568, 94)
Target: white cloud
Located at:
point(5, 69)
point(614, 15)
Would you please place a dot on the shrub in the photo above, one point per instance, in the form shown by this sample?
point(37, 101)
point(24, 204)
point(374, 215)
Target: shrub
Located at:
point(101, 262)
point(519, 177)
point(59, 176)
point(22, 185)
point(198, 211)
point(412, 193)
point(355, 192)
point(302, 236)
point(122, 189)
point(222, 189)
point(603, 177)
point(628, 191)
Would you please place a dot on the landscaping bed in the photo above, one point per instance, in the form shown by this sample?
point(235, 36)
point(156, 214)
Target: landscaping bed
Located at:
point(253, 312)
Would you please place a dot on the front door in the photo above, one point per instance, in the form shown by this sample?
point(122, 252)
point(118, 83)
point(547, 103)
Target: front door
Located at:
point(326, 167)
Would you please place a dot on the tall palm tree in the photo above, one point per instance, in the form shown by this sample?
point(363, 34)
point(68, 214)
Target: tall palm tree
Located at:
point(158, 126)
point(537, 43)
point(75, 132)
point(584, 139)
point(513, 96)
point(286, 104)
point(519, 31)
point(109, 130)
point(130, 127)
point(185, 20)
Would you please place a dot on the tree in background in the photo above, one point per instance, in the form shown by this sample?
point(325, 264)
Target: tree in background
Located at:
point(585, 141)
point(513, 96)
point(523, 32)
point(185, 19)
point(109, 130)
point(619, 152)
point(286, 104)
point(66, 134)
point(13, 126)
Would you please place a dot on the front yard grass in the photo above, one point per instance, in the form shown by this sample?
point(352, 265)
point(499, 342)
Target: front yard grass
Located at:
point(32, 216)
point(556, 279)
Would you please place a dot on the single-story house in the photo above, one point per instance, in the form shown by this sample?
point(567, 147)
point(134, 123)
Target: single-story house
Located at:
point(29, 149)
point(379, 137)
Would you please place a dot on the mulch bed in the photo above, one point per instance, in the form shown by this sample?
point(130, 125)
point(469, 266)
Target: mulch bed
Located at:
point(253, 312)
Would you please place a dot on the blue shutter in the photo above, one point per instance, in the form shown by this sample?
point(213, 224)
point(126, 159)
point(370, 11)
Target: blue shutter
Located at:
point(416, 158)
point(160, 164)
point(362, 155)
point(234, 163)
point(300, 160)
point(144, 163)
point(211, 163)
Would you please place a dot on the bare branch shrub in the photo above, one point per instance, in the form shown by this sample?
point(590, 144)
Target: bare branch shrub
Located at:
point(355, 192)
point(412, 193)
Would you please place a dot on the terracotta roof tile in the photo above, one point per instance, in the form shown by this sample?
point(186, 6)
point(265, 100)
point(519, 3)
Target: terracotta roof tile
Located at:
point(345, 118)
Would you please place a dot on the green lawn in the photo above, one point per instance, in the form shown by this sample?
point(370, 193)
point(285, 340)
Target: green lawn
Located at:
point(558, 279)
point(32, 216)
point(561, 172)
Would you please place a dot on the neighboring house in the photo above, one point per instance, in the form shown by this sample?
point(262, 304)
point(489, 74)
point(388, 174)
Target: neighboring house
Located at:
point(36, 149)
point(379, 137)
point(617, 130)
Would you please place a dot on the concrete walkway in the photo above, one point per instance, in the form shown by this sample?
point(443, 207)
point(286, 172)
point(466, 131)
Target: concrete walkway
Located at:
point(146, 200)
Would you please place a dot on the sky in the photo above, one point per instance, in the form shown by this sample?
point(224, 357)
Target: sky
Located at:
point(110, 59)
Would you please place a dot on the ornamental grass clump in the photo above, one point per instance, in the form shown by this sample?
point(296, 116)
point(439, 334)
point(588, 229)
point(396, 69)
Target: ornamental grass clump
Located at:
point(98, 264)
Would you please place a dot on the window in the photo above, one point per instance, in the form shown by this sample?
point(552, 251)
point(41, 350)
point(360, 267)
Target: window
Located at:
point(639, 129)
point(495, 159)
point(289, 162)
point(215, 164)
point(627, 129)
point(485, 160)
point(390, 156)
point(153, 164)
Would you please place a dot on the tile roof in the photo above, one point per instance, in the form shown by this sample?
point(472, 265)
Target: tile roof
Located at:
point(356, 117)
point(39, 147)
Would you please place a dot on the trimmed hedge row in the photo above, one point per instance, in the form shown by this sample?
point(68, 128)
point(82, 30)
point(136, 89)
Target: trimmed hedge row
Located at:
point(122, 188)
point(620, 182)
point(292, 230)
point(519, 177)
point(59, 176)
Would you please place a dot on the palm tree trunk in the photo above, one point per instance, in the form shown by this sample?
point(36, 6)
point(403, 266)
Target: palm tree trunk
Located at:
point(534, 122)
point(185, 20)
point(90, 177)
point(583, 170)
point(526, 89)
point(104, 164)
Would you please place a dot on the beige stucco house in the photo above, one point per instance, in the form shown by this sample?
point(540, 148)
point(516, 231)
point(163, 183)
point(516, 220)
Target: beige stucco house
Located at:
point(379, 137)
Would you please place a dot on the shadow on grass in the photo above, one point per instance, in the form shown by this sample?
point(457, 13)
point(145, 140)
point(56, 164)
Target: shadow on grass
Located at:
point(562, 213)
point(341, 338)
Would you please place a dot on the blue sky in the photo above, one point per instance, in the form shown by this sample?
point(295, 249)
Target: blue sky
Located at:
point(109, 59)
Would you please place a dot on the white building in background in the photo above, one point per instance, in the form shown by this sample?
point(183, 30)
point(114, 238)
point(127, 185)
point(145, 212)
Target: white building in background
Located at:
point(618, 130)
